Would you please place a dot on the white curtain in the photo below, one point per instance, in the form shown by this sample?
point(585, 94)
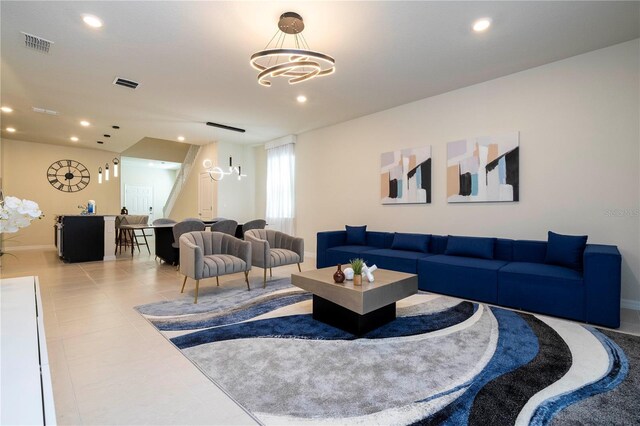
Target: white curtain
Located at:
point(281, 161)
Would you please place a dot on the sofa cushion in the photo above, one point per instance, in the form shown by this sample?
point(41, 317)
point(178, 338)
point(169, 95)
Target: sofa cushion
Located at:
point(411, 242)
point(542, 270)
point(467, 277)
point(468, 262)
point(356, 235)
point(395, 260)
point(529, 251)
point(481, 248)
point(351, 249)
point(437, 244)
point(565, 250)
point(343, 254)
point(537, 287)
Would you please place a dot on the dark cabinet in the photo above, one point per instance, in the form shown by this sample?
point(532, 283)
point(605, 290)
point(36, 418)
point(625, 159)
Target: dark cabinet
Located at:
point(82, 238)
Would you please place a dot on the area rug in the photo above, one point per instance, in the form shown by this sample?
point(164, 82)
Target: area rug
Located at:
point(442, 361)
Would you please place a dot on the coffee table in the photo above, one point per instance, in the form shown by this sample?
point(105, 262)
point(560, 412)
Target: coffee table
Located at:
point(356, 309)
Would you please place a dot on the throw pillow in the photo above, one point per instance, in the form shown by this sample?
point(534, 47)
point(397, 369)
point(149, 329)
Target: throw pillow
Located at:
point(565, 250)
point(479, 247)
point(356, 235)
point(411, 242)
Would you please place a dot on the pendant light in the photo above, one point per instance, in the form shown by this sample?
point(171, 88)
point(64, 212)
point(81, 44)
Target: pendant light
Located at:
point(295, 61)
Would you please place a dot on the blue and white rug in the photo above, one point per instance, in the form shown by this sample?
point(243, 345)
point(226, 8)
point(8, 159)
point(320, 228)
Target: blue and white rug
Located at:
point(442, 361)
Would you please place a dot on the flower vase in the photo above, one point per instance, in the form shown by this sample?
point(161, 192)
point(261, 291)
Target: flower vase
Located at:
point(338, 276)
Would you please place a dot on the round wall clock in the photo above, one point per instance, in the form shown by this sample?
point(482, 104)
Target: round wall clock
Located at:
point(68, 176)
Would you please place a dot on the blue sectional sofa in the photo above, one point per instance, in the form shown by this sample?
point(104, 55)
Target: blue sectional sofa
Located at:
point(529, 275)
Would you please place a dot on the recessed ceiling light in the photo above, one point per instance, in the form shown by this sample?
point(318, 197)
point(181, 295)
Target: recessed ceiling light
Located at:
point(85, 123)
point(115, 127)
point(100, 142)
point(92, 21)
point(481, 24)
point(302, 99)
point(10, 129)
point(181, 138)
point(74, 139)
point(6, 109)
point(107, 136)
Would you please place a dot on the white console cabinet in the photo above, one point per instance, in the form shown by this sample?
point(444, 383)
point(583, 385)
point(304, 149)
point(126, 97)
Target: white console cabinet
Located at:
point(26, 393)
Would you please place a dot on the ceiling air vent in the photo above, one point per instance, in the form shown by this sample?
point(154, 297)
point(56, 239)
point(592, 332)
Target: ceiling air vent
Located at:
point(125, 83)
point(44, 111)
point(37, 43)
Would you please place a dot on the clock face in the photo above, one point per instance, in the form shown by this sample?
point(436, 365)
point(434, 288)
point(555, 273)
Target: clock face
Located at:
point(68, 176)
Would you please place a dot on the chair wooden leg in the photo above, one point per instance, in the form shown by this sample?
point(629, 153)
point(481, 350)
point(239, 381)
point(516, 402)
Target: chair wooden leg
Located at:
point(217, 281)
point(183, 284)
point(197, 286)
point(146, 243)
point(264, 279)
point(270, 273)
point(299, 269)
point(246, 278)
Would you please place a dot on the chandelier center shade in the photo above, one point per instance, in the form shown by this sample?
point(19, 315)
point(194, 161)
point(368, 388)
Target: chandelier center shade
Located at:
point(296, 62)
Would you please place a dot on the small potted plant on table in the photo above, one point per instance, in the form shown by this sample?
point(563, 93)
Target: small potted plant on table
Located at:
point(357, 265)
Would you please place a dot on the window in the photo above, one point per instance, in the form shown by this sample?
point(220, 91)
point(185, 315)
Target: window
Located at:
point(281, 188)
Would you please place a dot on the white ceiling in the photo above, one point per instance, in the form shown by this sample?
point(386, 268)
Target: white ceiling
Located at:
point(192, 62)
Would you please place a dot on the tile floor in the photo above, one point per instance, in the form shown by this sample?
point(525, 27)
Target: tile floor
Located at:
point(108, 365)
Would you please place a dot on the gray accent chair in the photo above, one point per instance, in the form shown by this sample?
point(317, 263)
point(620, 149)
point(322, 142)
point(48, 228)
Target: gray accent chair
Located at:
point(163, 221)
point(226, 226)
point(271, 248)
point(211, 254)
point(253, 224)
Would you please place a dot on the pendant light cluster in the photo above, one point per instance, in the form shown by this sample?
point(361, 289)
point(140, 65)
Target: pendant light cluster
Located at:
point(298, 63)
point(116, 162)
point(216, 173)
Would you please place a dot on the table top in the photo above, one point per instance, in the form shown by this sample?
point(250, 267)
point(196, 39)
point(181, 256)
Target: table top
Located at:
point(388, 287)
point(141, 226)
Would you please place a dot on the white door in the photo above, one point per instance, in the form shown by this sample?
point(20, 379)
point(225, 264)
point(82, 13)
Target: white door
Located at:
point(205, 197)
point(139, 200)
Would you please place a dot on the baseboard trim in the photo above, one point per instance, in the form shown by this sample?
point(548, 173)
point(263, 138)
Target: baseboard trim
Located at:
point(23, 248)
point(106, 258)
point(630, 304)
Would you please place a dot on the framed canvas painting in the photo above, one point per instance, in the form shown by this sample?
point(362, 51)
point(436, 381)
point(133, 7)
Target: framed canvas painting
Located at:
point(405, 176)
point(484, 169)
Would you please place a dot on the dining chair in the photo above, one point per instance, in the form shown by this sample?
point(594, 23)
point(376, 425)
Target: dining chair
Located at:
point(226, 226)
point(253, 224)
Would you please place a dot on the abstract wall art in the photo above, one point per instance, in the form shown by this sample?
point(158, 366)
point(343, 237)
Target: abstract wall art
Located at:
point(405, 176)
point(484, 169)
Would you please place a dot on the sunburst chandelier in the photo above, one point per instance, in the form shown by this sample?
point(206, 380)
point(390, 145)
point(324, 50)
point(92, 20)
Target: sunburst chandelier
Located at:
point(298, 63)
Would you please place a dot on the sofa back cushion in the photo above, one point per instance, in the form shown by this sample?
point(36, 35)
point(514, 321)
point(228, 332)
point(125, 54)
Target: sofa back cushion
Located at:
point(411, 242)
point(478, 247)
point(437, 244)
point(379, 239)
point(565, 250)
point(529, 251)
point(503, 249)
point(356, 235)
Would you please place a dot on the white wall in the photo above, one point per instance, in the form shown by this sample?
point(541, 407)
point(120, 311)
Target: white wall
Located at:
point(579, 123)
point(236, 199)
point(24, 175)
point(159, 180)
